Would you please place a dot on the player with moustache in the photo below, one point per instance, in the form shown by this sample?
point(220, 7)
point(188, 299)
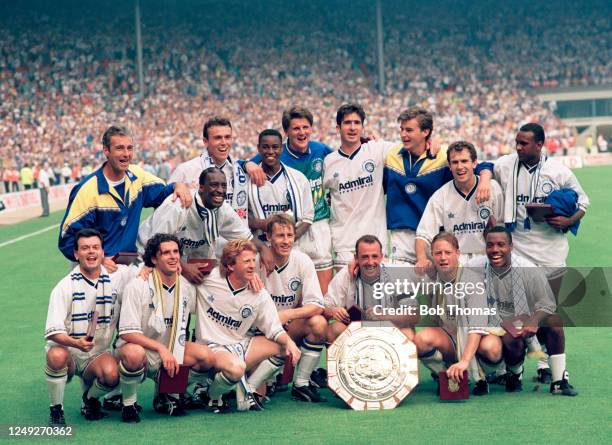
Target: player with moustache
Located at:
point(298, 299)
point(456, 339)
point(529, 176)
point(201, 226)
point(228, 308)
point(517, 288)
point(69, 350)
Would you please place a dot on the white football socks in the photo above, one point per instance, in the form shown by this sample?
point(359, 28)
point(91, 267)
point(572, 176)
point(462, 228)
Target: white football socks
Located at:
point(129, 381)
point(557, 366)
point(56, 384)
point(311, 357)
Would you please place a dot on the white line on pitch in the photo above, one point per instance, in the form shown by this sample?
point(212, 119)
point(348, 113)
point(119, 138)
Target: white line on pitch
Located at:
point(29, 235)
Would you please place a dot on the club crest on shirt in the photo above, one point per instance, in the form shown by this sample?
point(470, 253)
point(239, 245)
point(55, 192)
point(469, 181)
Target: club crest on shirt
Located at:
point(294, 283)
point(182, 339)
point(484, 212)
point(317, 165)
point(246, 311)
point(547, 187)
point(369, 166)
point(410, 188)
point(241, 197)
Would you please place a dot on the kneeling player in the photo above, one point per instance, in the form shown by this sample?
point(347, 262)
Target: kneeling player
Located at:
point(297, 295)
point(440, 346)
point(517, 288)
point(348, 289)
point(69, 351)
point(227, 309)
point(152, 329)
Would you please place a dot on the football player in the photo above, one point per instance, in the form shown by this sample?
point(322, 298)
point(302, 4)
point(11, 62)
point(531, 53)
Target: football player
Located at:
point(201, 226)
point(285, 189)
point(454, 208)
point(294, 290)
point(88, 288)
point(457, 339)
point(530, 177)
point(515, 287)
point(227, 309)
point(153, 329)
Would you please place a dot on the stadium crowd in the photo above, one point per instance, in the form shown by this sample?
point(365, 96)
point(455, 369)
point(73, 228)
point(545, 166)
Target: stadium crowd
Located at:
point(64, 76)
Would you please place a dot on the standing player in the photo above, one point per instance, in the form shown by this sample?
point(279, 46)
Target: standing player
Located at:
point(69, 351)
point(454, 208)
point(348, 289)
point(456, 339)
point(307, 156)
point(285, 189)
point(412, 174)
point(298, 299)
point(200, 226)
point(354, 177)
point(218, 139)
point(528, 176)
point(111, 199)
point(152, 329)
point(227, 309)
point(515, 287)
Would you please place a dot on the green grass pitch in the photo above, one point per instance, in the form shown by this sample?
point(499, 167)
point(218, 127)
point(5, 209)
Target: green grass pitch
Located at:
point(31, 267)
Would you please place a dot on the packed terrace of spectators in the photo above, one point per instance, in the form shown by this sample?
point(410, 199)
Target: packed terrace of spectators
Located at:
point(68, 70)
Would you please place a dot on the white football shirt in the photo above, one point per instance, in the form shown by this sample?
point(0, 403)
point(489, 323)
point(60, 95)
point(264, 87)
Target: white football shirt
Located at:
point(198, 228)
point(355, 184)
point(541, 244)
point(189, 172)
point(295, 284)
point(225, 314)
point(59, 314)
point(451, 211)
point(522, 289)
point(275, 197)
point(137, 309)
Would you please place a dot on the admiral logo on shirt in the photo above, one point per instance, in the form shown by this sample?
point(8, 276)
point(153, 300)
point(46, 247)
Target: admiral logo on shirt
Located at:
point(526, 199)
point(222, 319)
point(469, 227)
point(283, 300)
point(191, 244)
point(355, 184)
point(273, 208)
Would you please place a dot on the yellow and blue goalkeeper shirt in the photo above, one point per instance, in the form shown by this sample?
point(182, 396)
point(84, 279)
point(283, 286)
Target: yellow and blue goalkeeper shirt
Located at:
point(409, 182)
point(113, 210)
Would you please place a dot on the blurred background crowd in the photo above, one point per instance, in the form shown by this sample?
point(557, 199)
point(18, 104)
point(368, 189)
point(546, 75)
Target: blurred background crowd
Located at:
point(68, 70)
